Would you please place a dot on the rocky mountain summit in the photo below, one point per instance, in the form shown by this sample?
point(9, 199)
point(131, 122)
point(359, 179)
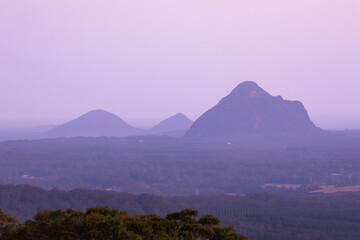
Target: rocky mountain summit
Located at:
point(250, 110)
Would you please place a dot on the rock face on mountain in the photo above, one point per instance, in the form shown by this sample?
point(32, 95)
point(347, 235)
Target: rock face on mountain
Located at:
point(177, 122)
point(93, 124)
point(249, 110)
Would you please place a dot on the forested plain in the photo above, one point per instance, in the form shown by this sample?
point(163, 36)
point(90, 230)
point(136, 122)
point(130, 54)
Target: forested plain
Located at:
point(167, 166)
point(236, 181)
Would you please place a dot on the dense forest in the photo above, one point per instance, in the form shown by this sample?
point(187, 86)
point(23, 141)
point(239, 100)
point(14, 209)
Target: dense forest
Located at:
point(258, 216)
point(263, 187)
point(171, 166)
point(104, 223)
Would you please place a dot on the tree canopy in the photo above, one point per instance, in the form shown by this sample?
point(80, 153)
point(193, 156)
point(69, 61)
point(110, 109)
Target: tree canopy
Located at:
point(106, 223)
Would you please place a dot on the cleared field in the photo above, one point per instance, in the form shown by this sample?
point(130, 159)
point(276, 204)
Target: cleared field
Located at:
point(282, 185)
point(335, 189)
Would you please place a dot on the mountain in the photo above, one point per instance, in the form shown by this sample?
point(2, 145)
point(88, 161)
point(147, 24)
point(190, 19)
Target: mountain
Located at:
point(250, 110)
point(177, 124)
point(93, 124)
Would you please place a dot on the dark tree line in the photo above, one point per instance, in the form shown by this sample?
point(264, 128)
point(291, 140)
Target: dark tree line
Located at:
point(105, 223)
point(258, 216)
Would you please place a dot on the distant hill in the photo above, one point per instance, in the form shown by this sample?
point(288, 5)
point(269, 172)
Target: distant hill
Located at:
point(93, 124)
point(177, 124)
point(250, 110)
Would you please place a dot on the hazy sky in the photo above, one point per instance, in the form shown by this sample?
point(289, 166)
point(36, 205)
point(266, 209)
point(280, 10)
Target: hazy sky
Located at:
point(152, 59)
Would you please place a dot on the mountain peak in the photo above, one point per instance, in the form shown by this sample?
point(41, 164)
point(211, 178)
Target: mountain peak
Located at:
point(174, 123)
point(250, 110)
point(247, 84)
point(249, 89)
point(99, 113)
point(180, 116)
point(94, 123)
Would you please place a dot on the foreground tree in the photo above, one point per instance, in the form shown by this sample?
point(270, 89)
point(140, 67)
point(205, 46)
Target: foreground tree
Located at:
point(8, 225)
point(104, 223)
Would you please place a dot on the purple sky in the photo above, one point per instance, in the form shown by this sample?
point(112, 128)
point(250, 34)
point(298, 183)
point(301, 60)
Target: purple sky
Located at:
point(151, 59)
